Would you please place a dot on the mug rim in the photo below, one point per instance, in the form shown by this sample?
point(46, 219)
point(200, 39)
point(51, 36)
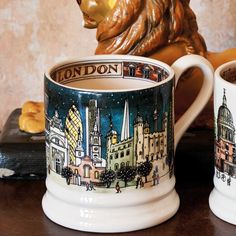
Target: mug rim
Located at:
point(219, 70)
point(120, 57)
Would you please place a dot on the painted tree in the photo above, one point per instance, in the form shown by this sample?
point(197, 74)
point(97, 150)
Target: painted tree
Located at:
point(144, 169)
point(107, 177)
point(67, 173)
point(126, 174)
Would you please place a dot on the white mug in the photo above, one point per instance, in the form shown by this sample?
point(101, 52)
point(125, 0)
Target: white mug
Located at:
point(111, 138)
point(222, 199)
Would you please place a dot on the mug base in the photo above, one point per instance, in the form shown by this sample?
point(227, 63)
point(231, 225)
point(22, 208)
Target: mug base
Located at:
point(223, 206)
point(88, 213)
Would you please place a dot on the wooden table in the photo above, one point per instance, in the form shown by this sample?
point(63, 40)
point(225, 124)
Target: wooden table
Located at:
point(21, 212)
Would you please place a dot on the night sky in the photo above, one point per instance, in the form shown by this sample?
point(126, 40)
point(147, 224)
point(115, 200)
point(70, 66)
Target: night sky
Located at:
point(142, 101)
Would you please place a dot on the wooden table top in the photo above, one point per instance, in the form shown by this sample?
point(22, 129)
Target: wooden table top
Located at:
point(21, 212)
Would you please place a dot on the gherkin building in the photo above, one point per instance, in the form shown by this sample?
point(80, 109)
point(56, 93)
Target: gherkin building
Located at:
point(74, 133)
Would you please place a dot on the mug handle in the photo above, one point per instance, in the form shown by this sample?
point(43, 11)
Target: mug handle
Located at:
point(179, 67)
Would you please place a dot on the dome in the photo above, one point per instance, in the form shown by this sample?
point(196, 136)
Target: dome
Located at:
point(146, 125)
point(225, 123)
point(138, 119)
point(224, 115)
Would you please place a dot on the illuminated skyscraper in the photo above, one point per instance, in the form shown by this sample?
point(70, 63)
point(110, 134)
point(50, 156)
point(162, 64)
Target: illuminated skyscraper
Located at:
point(74, 135)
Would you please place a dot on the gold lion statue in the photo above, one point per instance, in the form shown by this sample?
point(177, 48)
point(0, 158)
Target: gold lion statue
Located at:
point(161, 29)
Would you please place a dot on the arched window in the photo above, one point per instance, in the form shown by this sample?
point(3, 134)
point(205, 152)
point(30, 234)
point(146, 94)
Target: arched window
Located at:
point(122, 164)
point(95, 140)
point(116, 166)
point(122, 154)
point(87, 169)
point(96, 175)
point(127, 152)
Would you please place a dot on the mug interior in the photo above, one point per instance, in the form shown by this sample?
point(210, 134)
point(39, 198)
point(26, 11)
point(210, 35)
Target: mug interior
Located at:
point(228, 72)
point(116, 73)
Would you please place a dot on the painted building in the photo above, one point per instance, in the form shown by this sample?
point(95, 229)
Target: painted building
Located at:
point(57, 144)
point(120, 153)
point(143, 146)
point(86, 172)
point(74, 135)
point(150, 146)
point(93, 127)
point(225, 148)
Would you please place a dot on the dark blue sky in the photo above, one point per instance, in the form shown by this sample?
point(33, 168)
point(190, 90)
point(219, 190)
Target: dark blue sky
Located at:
point(142, 101)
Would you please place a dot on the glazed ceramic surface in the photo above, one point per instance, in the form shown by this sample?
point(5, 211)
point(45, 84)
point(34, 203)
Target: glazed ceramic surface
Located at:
point(223, 198)
point(110, 141)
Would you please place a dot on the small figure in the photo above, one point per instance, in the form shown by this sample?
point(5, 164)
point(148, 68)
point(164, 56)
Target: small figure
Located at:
point(87, 186)
point(154, 177)
point(138, 182)
point(141, 183)
point(228, 181)
point(223, 177)
point(91, 186)
point(118, 188)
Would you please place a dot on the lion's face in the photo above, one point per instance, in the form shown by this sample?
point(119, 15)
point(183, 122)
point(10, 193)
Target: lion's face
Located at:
point(94, 11)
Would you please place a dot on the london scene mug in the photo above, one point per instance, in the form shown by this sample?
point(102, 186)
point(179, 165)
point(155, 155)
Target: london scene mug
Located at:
point(222, 199)
point(111, 138)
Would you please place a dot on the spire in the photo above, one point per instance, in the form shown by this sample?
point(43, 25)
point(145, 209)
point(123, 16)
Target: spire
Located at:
point(224, 99)
point(125, 125)
point(110, 119)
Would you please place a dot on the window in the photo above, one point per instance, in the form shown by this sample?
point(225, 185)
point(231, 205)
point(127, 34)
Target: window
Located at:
point(226, 156)
point(95, 140)
point(116, 155)
point(87, 169)
point(96, 175)
point(58, 165)
point(116, 166)
point(122, 164)
point(122, 154)
point(127, 152)
point(226, 146)
point(111, 157)
point(127, 163)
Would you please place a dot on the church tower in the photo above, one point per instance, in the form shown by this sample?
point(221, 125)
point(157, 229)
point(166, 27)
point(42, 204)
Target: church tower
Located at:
point(155, 118)
point(138, 138)
point(111, 136)
point(94, 143)
point(146, 141)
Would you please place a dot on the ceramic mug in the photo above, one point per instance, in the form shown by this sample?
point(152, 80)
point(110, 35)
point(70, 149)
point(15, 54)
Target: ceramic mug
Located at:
point(111, 138)
point(222, 199)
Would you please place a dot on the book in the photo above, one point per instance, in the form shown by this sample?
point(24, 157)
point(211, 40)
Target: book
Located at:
point(22, 155)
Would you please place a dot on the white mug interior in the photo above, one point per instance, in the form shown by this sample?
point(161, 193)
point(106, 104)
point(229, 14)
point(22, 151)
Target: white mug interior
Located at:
point(106, 73)
point(227, 72)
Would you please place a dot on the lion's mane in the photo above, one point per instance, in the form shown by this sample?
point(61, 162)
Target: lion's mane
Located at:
point(141, 27)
